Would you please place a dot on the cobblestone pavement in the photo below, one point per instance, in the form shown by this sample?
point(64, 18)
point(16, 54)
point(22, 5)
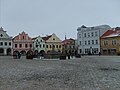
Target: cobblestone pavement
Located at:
point(86, 73)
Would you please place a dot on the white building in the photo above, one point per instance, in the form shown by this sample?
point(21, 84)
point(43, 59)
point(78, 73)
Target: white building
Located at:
point(89, 38)
point(5, 43)
point(39, 44)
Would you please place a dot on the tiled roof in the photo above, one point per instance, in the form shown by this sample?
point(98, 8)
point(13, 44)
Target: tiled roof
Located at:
point(15, 37)
point(34, 38)
point(46, 38)
point(67, 41)
point(112, 33)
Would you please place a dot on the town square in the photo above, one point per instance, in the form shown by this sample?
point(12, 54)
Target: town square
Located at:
point(59, 45)
point(85, 73)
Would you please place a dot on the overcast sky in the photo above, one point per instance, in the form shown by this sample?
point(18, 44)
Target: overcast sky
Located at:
point(41, 17)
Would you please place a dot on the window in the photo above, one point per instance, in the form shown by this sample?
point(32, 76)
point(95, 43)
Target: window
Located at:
point(43, 45)
point(85, 42)
point(41, 40)
point(53, 46)
point(15, 45)
point(73, 46)
point(88, 42)
point(30, 45)
point(50, 46)
point(1, 43)
point(1, 35)
point(96, 34)
point(23, 37)
point(88, 34)
point(79, 35)
point(40, 45)
point(84, 34)
point(80, 42)
point(46, 46)
point(92, 41)
point(59, 46)
point(113, 42)
point(20, 45)
point(5, 43)
point(26, 45)
point(92, 34)
point(95, 50)
point(53, 38)
point(36, 45)
point(105, 42)
point(87, 51)
point(96, 41)
point(9, 43)
point(56, 46)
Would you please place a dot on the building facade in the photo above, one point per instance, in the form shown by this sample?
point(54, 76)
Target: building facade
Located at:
point(5, 43)
point(22, 43)
point(110, 42)
point(53, 43)
point(89, 38)
point(39, 44)
point(68, 46)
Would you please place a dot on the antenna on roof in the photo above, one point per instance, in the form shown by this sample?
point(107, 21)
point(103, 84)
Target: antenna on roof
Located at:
point(65, 37)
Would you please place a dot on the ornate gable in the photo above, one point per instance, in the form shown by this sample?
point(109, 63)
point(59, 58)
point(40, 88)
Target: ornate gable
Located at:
point(3, 34)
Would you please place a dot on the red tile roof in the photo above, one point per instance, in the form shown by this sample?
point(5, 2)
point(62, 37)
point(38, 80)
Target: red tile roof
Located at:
point(67, 41)
point(112, 32)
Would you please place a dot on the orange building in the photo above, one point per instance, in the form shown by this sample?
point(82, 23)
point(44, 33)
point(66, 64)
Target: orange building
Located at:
point(68, 46)
point(110, 42)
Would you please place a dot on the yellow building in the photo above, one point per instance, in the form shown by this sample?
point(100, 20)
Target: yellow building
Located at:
point(53, 43)
point(110, 42)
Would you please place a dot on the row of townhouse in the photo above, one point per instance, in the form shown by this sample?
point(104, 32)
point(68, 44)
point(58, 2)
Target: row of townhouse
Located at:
point(23, 43)
point(98, 39)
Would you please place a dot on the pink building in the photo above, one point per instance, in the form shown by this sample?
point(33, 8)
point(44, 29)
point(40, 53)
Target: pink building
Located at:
point(22, 43)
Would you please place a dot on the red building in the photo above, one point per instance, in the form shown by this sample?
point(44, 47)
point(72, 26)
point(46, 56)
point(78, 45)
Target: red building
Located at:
point(22, 43)
point(68, 46)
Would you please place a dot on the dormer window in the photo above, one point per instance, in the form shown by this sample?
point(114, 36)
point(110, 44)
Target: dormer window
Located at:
point(53, 38)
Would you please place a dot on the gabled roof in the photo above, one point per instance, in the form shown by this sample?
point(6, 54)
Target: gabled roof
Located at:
point(112, 33)
point(46, 37)
point(17, 37)
point(67, 41)
point(34, 38)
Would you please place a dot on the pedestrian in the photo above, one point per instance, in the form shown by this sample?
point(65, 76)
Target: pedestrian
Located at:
point(19, 55)
point(99, 53)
